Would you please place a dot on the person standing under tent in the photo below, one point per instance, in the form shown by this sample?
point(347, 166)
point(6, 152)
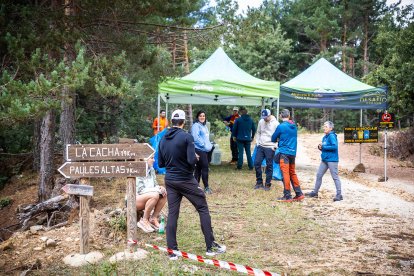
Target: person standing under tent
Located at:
point(287, 134)
point(330, 159)
point(177, 155)
point(203, 149)
point(229, 121)
point(163, 123)
point(265, 148)
point(243, 133)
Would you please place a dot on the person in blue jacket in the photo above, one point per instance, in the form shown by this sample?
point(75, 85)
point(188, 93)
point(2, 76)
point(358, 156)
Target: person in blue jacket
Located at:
point(203, 149)
point(243, 133)
point(287, 135)
point(330, 159)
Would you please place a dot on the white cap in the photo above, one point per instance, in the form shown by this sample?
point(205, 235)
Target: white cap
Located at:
point(178, 114)
point(235, 108)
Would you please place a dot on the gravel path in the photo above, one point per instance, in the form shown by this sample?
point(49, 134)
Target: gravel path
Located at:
point(361, 192)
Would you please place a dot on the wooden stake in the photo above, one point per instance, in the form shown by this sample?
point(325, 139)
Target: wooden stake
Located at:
point(131, 211)
point(84, 220)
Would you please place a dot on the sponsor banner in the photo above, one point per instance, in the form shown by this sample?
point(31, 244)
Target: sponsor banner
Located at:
point(367, 99)
point(361, 134)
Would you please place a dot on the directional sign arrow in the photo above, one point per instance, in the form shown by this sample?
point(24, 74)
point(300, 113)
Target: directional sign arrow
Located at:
point(83, 190)
point(103, 169)
point(98, 152)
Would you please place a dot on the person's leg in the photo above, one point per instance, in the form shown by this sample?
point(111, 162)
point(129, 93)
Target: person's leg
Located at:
point(294, 176)
point(198, 167)
point(240, 157)
point(234, 151)
point(333, 168)
point(247, 146)
point(260, 154)
point(147, 203)
point(203, 162)
point(284, 167)
point(196, 196)
point(158, 207)
point(319, 175)
point(269, 153)
point(174, 201)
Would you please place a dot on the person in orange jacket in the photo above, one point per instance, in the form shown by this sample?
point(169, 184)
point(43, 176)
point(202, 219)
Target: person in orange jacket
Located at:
point(163, 123)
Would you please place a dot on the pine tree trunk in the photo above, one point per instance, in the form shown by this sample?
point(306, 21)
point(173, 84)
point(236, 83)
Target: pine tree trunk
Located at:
point(67, 118)
point(36, 145)
point(113, 123)
point(365, 68)
point(47, 144)
point(344, 38)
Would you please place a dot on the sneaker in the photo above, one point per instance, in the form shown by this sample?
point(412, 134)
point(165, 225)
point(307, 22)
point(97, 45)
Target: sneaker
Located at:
point(154, 223)
point(285, 199)
point(267, 187)
point(216, 249)
point(233, 162)
point(338, 198)
point(258, 186)
point(145, 226)
point(172, 257)
point(299, 198)
point(208, 191)
point(312, 194)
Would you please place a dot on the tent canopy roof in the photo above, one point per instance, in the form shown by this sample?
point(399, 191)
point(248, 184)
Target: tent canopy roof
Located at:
point(219, 81)
point(322, 76)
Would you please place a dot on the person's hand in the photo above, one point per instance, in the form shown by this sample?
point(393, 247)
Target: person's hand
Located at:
point(197, 156)
point(226, 123)
point(234, 139)
point(163, 191)
point(320, 147)
point(150, 161)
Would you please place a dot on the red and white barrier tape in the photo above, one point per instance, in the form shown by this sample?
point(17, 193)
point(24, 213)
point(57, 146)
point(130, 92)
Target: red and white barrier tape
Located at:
point(221, 264)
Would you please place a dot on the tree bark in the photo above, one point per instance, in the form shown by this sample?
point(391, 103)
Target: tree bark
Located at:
point(365, 67)
point(36, 145)
point(67, 118)
point(68, 104)
point(47, 144)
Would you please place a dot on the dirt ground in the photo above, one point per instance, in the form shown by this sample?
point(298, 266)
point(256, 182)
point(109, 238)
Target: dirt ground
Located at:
point(374, 219)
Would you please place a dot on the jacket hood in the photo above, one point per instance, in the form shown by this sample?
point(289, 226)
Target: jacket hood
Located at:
point(172, 132)
point(291, 124)
point(245, 117)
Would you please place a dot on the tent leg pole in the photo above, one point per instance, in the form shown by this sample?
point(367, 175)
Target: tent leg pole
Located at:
point(166, 110)
point(263, 105)
point(158, 112)
point(360, 144)
point(277, 109)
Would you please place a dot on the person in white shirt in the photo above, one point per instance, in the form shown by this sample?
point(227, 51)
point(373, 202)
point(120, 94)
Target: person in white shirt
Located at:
point(265, 148)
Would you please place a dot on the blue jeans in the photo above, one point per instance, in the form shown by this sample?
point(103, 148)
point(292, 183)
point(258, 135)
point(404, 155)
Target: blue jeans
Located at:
point(264, 153)
point(241, 147)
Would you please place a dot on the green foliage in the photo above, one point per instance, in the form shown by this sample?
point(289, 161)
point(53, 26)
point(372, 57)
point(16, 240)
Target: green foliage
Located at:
point(5, 202)
point(119, 223)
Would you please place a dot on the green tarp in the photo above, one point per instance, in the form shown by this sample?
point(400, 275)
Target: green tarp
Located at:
point(219, 81)
point(323, 85)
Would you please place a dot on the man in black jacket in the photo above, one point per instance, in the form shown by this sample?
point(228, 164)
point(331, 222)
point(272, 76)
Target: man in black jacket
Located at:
point(243, 133)
point(176, 153)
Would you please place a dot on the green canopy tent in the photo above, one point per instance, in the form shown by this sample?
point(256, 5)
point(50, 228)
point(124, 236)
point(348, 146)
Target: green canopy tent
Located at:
point(323, 85)
point(218, 81)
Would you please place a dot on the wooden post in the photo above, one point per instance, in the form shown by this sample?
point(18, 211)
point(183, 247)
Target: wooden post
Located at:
point(84, 220)
point(131, 211)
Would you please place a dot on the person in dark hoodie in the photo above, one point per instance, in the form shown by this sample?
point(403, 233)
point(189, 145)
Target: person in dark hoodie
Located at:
point(176, 153)
point(243, 133)
point(287, 135)
point(330, 159)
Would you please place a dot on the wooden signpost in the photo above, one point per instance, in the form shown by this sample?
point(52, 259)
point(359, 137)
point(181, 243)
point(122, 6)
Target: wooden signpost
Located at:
point(97, 161)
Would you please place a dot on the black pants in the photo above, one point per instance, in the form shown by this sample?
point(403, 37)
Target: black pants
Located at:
point(193, 192)
point(234, 150)
point(201, 169)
